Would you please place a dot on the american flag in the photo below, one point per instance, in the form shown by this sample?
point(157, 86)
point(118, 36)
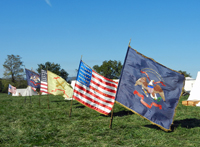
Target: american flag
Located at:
point(44, 85)
point(94, 90)
point(11, 89)
point(33, 88)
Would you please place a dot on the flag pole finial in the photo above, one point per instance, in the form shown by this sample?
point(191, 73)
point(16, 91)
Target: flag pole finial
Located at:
point(129, 43)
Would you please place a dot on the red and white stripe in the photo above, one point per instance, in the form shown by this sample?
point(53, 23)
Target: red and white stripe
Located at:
point(43, 87)
point(43, 83)
point(12, 89)
point(33, 88)
point(100, 95)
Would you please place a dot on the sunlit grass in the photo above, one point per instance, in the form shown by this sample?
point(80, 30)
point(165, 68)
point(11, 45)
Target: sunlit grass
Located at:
point(29, 122)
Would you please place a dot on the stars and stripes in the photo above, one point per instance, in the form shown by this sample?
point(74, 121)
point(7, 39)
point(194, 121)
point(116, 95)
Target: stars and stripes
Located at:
point(43, 84)
point(94, 90)
point(11, 89)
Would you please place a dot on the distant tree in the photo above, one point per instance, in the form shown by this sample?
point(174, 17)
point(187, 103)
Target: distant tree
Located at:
point(13, 68)
point(109, 69)
point(55, 68)
point(1, 85)
point(185, 73)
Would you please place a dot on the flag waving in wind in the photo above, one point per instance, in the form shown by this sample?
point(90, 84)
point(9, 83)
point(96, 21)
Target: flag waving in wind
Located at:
point(44, 85)
point(33, 79)
point(94, 90)
point(11, 89)
point(149, 89)
point(58, 86)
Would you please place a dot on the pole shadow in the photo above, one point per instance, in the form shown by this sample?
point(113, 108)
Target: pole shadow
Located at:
point(119, 114)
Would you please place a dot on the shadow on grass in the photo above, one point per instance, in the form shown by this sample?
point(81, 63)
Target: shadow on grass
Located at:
point(80, 106)
point(185, 123)
point(120, 113)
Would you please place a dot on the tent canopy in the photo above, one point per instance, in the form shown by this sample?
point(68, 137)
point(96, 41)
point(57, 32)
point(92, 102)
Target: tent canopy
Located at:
point(25, 92)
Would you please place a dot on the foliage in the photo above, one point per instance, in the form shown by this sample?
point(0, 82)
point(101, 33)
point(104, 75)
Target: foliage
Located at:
point(1, 85)
point(5, 82)
point(109, 69)
point(55, 68)
point(185, 73)
point(27, 121)
point(13, 69)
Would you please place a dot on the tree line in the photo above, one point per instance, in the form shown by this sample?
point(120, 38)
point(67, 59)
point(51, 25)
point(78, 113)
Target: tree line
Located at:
point(14, 71)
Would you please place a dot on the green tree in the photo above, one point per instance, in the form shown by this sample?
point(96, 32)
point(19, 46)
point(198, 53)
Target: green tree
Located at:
point(109, 69)
point(13, 68)
point(185, 73)
point(1, 85)
point(55, 68)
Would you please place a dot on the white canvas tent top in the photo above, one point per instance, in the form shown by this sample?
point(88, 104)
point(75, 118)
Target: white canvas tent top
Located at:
point(25, 92)
point(189, 83)
point(194, 94)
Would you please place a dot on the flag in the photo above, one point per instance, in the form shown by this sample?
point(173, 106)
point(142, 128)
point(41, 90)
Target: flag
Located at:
point(94, 90)
point(11, 89)
point(58, 86)
point(43, 84)
point(33, 79)
point(149, 89)
point(33, 88)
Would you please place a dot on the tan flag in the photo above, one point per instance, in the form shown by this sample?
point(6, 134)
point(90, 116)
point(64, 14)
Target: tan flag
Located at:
point(58, 86)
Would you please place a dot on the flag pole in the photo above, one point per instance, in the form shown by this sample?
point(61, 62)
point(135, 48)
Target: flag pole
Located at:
point(47, 89)
point(72, 95)
point(71, 106)
point(26, 80)
point(111, 118)
point(129, 42)
point(40, 85)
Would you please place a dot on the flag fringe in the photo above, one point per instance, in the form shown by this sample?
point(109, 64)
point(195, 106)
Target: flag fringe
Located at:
point(144, 117)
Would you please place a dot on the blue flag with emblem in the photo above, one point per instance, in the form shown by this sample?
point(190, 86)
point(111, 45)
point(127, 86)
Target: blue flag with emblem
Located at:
point(149, 89)
point(33, 79)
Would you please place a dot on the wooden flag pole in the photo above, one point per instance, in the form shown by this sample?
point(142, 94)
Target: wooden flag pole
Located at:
point(40, 86)
point(39, 99)
point(129, 43)
point(72, 97)
point(48, 100)
point(111, 118)
point(47, 90)
point(70, 107)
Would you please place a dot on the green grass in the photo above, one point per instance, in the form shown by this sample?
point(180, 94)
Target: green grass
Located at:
point(30, 124)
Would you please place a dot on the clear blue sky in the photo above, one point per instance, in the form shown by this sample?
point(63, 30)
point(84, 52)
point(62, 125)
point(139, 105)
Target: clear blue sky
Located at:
point(60, 31)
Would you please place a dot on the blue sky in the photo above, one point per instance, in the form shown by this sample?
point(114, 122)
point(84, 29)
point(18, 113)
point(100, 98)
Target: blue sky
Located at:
point(60, 31)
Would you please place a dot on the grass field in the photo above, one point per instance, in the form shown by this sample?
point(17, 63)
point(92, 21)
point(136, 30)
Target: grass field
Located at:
point(23, 122)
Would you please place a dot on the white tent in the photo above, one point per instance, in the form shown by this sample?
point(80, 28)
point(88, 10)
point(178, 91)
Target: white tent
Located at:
point(25, 92)
point(194, 94)
point(189, 83)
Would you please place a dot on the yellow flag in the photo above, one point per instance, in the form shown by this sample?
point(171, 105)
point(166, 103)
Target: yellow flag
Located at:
point(58, 86)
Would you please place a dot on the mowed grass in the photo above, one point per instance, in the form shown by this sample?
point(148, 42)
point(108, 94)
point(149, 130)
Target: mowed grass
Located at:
point(23, 122)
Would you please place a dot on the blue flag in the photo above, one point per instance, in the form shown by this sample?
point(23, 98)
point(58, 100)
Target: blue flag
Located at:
point(33, 79)
point(149, 89)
